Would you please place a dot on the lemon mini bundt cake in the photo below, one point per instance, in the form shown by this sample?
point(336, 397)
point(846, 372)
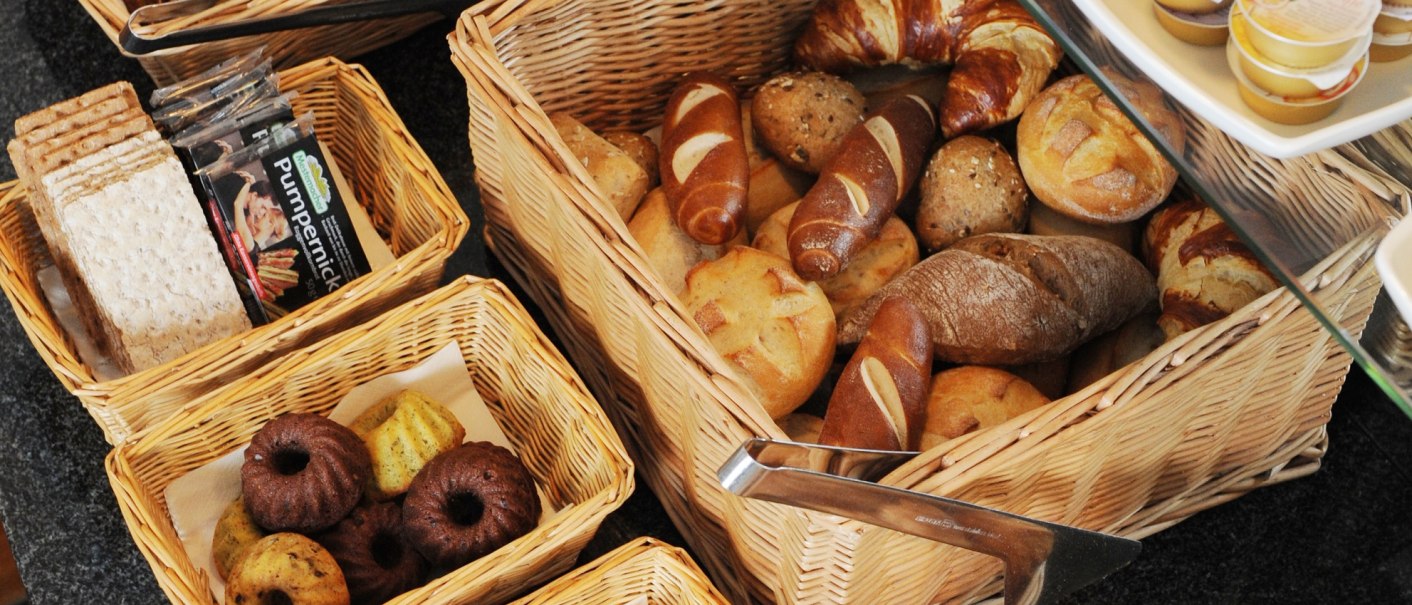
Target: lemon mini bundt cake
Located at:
point(402, 434)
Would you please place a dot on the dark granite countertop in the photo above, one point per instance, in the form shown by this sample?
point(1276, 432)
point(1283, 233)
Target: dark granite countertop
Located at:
point(1339, 536)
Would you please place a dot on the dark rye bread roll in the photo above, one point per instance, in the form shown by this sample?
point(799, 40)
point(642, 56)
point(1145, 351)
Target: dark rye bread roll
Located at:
point(1005, 299)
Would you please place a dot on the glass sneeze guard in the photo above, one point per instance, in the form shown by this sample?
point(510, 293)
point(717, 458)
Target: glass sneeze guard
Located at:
point(1344, 202)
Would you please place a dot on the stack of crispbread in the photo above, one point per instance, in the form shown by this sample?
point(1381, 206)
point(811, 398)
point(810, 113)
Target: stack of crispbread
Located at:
point(127, 234)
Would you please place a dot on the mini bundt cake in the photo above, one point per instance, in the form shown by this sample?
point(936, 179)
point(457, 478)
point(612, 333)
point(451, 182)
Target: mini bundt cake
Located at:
point(377, 561)
point(403, 433)
point(303, 473)
point(234, 532)
point(286, 568)
point(468, 502)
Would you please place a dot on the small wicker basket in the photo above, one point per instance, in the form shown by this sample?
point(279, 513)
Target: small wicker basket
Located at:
point(1209, 416)
point(645, 571)
point(410, 206)
point(287, 48)
point(553, 423)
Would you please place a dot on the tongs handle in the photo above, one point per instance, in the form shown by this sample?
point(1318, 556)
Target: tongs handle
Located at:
point(1043, 561)
point(136, 43)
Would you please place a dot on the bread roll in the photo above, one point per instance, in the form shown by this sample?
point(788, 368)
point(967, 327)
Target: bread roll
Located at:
point(971, 186)
point(879, 401)
point(669, 250)
point(1046, 221)
point(803, 116)
point(1004, 299)
point(1082, 157)
point(703, 164)
point(1001, 56)
point(971, 398)
point(776, 328)
point(1204, 271)
point(894, 251)
point(641, 149)
point(859, 190)
point(800, 427)
point(885, 83)
point(773, 185)
point(618, 176)
point(1050, 377)
point(1111, 351)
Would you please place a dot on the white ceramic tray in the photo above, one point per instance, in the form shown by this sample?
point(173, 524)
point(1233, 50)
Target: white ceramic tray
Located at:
point(1394, 263)
point(1199, 78)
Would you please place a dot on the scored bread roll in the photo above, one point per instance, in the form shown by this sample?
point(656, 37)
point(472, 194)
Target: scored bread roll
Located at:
point(1082, 157)
point(894, 251)
point(860, 189)
point(1007, 299)
point(668, 249)
point(1046, 221)
point(1204, 271)
point(971, 398)
point(619, 178)
point(879, 400)
point(775, 327)
point(703, 163)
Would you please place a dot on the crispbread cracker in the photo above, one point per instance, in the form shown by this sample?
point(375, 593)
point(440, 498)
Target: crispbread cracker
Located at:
point(69, 123)
point(77, 104)
point(76, 145)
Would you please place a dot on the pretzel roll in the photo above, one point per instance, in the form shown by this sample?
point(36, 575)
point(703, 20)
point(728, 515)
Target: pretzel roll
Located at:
point(880, 400)
point(703, 163)
point(860, 188)
point(1001, 57)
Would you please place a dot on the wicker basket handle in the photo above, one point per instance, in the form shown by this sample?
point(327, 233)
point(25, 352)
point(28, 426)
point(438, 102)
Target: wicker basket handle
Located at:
point(144, 32)
point(1043, 561)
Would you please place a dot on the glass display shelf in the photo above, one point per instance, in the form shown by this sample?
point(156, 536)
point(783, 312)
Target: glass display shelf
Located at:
point(1299, 214)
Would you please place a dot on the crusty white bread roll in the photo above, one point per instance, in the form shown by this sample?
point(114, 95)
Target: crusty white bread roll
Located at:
point(1008, 299)
point(668, 249)
point(1084, 158)
point(703, 163)
point(971, 398)
point(880, 399)
point(775, 327)
point(1204, 271)
point(859, 190)
point(1001, 55)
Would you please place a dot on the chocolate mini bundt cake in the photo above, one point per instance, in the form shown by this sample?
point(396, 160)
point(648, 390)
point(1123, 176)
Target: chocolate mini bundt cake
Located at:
point(303, 473)
point(377, 561)
point(468, 502)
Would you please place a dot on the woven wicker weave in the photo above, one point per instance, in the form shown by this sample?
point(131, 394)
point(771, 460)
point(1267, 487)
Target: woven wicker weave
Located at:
point(551, 420)
point(393, 179)
point(643, 571)
point(1209, 416)
point(288, 48)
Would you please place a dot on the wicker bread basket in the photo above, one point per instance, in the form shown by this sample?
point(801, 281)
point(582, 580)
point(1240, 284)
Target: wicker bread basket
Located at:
point(287, 48)
point(551, 420)
point(644, 571)
point(1222, 410)
point(393, 179)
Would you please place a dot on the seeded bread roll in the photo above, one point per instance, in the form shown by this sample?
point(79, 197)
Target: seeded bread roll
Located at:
point(775, 327)
point(641, 149)
point(618, 176)
point(669, 250)
point(971, 186)
point(802, 117)
point(1005, 299)
point(1082, 157)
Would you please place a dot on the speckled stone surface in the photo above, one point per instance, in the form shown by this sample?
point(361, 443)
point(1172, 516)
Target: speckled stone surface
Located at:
point(1339, 536)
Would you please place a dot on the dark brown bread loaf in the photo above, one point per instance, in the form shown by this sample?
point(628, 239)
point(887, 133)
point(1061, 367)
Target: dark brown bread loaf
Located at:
point(1004, 299)
point(877, 162)
point(880, 400)
point(703, 163)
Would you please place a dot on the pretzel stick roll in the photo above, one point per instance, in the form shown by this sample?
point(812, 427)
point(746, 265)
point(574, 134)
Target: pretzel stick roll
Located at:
point(704, 167)
point(877, 162)
point(880, 400)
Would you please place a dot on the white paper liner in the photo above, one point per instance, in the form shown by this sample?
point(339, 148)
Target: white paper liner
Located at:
point(196, 500)
point(63, 306)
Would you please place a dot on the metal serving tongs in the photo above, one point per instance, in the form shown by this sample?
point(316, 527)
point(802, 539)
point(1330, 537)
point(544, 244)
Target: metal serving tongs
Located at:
point(1043, 561)
point(136, 38)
